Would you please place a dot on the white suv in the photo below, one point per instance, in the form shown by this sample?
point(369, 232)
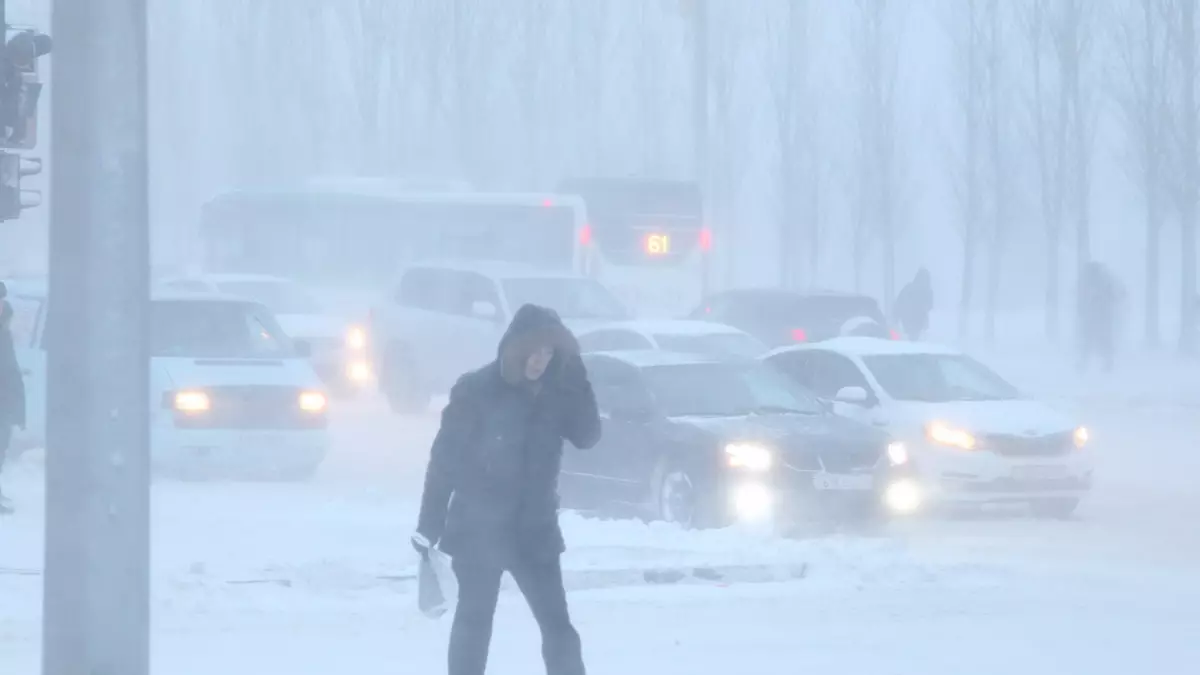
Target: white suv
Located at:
point(444, 319)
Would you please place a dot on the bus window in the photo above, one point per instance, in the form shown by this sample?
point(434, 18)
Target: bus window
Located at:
point(365, 239)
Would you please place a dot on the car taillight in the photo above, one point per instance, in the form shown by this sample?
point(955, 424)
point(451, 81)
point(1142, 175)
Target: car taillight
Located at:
point(705, 239)
point(894, 334)
point(585, 235)
point(799, 335)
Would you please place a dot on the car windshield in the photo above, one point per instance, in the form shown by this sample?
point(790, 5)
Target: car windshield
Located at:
point(725, 389)
point(938, 378)
point(572, 298)
point(215, 329)
point(715, 344)
point(281, 297)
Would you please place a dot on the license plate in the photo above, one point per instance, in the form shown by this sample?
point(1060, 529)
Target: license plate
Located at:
point(1040, 472)
point(838, 481)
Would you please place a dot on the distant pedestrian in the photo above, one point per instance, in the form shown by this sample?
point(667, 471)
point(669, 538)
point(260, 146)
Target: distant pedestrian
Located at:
point(1098, 294)
point(12, 388)
point(913, 305)
point(491, 489)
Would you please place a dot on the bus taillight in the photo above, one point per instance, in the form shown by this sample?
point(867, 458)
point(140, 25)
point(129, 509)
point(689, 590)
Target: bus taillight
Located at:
point(705, 239)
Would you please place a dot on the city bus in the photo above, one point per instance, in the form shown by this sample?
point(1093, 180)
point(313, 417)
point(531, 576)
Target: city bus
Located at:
point(646, 240)
point(357, 236)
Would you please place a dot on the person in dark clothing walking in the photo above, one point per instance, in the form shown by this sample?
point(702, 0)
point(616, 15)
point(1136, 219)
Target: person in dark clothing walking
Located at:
point(491, 487)
point(1096, 320)
point(12, 388)
point(913, 305)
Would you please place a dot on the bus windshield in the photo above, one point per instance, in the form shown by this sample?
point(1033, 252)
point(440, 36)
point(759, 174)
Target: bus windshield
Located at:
point(356, 240)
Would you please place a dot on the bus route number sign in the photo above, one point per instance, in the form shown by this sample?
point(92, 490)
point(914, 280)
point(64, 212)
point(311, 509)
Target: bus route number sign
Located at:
point(657, 245)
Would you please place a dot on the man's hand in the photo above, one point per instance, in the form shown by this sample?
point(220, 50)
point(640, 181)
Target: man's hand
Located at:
point(421, 544)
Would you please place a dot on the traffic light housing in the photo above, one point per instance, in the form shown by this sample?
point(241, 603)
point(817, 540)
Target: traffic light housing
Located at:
point(14, 199)
point(21, 86)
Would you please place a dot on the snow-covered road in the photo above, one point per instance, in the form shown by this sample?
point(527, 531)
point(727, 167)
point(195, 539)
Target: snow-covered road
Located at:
point(252, 578)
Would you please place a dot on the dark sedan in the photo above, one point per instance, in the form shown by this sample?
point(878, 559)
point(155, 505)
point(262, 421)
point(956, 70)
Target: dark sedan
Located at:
point(705, 443)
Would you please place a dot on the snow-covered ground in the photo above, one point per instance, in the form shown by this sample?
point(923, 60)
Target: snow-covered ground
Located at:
point(313, 578)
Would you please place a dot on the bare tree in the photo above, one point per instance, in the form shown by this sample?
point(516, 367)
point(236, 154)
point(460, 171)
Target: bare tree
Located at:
point(877, 53)
point(1048, 130)
point(588, 35)
point(1071, 28)
point(968, 32)
point(529, 74)
point(796, 122)
point(1140, 92)
point(1181, 16)
point(370, 28)
point(1004, 187)
point(727, 159)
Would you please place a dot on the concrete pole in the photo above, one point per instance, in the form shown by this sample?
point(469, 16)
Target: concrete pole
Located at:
point(96, 593)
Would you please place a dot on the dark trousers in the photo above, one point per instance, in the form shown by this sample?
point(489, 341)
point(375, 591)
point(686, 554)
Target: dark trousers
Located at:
point(1095, 349)
point(541, 583)
point(5, 438)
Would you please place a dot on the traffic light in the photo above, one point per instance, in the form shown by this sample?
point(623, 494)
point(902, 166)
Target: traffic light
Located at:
point(21, 86)
point(13, 199)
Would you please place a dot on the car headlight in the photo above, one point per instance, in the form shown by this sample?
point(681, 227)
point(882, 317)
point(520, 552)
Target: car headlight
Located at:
point(356, 338)
point(897, 453)
point(903, 496)
point(943, 434)
point(358, 371)
point(312, 401)
point(749, 456)
point(1081, 436)
point(191, 401)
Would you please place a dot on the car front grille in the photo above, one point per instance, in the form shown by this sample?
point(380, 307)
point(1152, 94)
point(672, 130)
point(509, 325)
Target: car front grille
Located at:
point(1050, 445)
point(846, 458)
point(252, 407)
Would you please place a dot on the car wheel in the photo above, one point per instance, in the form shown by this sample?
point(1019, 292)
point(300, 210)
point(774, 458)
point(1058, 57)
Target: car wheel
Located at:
point(401, 384)
point(1060, 509)
point(676, 499)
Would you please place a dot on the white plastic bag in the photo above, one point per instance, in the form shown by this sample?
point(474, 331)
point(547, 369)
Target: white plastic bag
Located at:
point(437, 588)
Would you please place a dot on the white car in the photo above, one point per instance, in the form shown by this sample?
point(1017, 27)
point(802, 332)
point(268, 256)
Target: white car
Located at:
point(229, 395)
point(974, 438)
point(444, 319)
point(682, 336)
point(337, 344)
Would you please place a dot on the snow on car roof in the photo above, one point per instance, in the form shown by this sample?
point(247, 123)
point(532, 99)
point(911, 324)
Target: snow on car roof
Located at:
point(231, 277)
point(867, 346)
point(498, 269)
point(649, 358)
point(38, 288)
point(669, 327)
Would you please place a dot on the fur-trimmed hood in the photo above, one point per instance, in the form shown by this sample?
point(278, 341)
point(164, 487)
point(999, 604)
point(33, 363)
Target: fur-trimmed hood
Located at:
point(533, 326)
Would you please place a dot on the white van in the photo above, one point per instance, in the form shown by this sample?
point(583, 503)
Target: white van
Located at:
point(229, 394)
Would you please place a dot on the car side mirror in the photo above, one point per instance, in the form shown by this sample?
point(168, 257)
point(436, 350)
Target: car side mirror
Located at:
point(302, 349)
point(484, 310)
point(856, 396)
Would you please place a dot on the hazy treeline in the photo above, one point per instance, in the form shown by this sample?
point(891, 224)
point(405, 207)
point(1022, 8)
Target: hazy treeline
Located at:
point(998, 142)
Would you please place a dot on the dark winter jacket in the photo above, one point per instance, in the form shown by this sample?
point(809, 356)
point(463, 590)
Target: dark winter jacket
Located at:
point(12, 386)
point(491, 488)
point(1096, 304)
point(913, 305)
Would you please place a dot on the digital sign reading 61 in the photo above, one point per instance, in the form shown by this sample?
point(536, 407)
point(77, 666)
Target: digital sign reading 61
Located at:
point(657, 245)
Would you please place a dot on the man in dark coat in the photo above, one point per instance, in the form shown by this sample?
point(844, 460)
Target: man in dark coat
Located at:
point(913, 305)
point(1096, 321)
point(491, 488)
point(12, 388)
